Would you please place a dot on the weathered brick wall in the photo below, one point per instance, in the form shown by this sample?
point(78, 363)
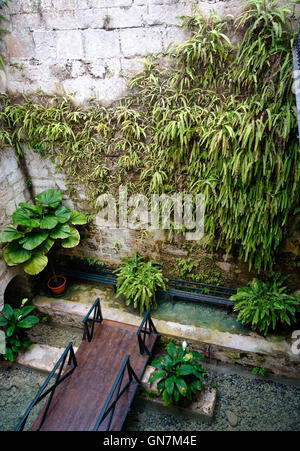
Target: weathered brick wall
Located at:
point(90, 46)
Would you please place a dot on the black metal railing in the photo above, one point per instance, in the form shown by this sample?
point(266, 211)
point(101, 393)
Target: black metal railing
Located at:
point(187, 285)
point(146, 328)
point(97, 318)
point(58, 368)
point(108, 408)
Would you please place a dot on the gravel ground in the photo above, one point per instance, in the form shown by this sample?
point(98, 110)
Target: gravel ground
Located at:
point(253, 404)
point(243, 404)
point(18, 387)
point(57, 336)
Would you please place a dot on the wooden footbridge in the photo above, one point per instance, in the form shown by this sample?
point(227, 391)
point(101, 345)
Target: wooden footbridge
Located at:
point(93, 390)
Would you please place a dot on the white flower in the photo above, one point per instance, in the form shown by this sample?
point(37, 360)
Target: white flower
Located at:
point(19, 317)
point(184, 345)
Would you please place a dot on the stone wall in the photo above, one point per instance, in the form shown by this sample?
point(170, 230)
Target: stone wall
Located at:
point(13, 190)
point(91, 46)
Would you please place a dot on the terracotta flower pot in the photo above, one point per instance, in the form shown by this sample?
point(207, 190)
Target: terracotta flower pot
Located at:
point(59, 287)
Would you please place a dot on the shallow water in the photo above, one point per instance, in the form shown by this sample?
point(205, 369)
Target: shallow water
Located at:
point(257, 403)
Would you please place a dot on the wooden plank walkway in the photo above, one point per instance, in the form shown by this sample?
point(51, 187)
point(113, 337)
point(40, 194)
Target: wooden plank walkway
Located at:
point(79, 399)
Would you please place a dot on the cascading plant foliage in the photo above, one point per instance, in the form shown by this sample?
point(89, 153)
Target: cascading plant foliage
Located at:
point(218, 119)
point(36, 228)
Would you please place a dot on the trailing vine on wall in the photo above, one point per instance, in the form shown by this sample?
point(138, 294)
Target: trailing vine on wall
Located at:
point(218, 119)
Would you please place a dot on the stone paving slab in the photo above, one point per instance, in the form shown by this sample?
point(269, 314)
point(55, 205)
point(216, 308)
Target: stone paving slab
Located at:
point(40, 357)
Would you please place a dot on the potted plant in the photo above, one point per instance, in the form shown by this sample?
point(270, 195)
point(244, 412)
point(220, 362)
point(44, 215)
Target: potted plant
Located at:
point(36, 229)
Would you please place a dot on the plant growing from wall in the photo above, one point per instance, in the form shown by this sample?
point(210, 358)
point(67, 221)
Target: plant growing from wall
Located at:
point(138, 281)
point(264, 305)
point(36, 228)
point(220, 120)
point(179, 373)
point(15, 323)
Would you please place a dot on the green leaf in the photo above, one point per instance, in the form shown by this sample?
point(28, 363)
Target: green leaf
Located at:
point(77, 218)
point(28, 322)
point(169, 384)
point(22, 217)
point(10, 233)
point(34, 239)
point(48, 222)
point(15, 254)
point(36, 210)
point(176, 395)
point(50, 197)
point(63, 214)
point(61, 231)
point(181, 385)
point(10, 330)
point(45, 247)
point(3, 321)
point(7, 258)
point(166, 398)
point(36, 264)
point(157, 375)
point(171, 349)
point(8, 311)
point(9, 354)
point(26, 310)
point(72, 240)
point(185, 370)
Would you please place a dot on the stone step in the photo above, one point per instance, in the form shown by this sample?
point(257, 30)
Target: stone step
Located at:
point(40, 357)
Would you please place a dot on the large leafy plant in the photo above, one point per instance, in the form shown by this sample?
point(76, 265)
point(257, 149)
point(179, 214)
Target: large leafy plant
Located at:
point(36, 228)
point(265, 304)
point(16, 322)
point(138, 281)
point(179, 373)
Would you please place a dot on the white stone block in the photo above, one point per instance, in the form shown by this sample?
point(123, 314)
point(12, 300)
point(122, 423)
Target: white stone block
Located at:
point(63, 5)
point(109, 3)
point(19, 46)
point(138, 41)
point(90, 18)
point(69, 45)
point(168, 14)
point(126, 18)
point(45, 44)
point(173, 36)
point(101, 44)
point(60, 20)
point(23, 21)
